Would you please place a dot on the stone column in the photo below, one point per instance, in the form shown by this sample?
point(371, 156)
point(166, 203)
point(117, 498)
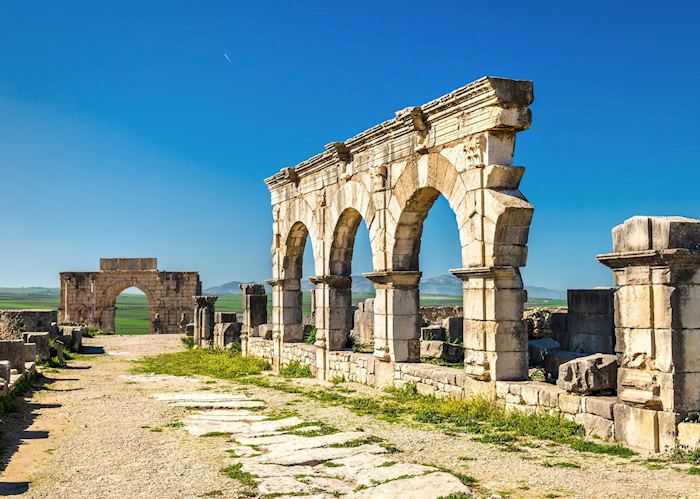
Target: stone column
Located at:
point(333, 301)
point(495, 337)
point(204, 320)
point(254, 307)
point(656, 264)
point(397, 318)
point(286, 310)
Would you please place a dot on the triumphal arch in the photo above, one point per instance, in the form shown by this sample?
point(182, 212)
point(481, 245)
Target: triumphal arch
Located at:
point(459, 146)
point(90, 297)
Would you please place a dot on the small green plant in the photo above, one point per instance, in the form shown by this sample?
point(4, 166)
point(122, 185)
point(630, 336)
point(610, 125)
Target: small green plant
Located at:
point(337, 379)
point(156, 429)
point(331, 464)
point(176, 423)
point(235, 347)
point(235, 472)
point(350, 342)
point(694, 470)
point(187, 341)
point(311, 339)
point(295, 369)
point(683, 455)
point(216, 434)
point(92, 332)
point(560, 464)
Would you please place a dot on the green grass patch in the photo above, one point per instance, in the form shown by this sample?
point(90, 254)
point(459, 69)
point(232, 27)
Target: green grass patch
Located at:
point(295, 369)
point(204, 362)
point(694, 470)
point(247, 480)
point(687, 456)
point(582, 445)
point(560, 464)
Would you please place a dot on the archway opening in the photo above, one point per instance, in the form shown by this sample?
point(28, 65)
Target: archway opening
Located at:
point(295, 303)
point(428, 241)
point(132, 312)
point(352, 323)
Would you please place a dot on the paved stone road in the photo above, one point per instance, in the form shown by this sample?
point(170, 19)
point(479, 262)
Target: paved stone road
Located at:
point(285, 461)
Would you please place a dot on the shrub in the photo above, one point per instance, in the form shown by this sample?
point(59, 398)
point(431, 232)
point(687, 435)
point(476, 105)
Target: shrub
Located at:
point(296, 369)
point(187, 341)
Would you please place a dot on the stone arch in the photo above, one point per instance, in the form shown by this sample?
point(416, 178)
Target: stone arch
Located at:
point(109, 296)
point(294, 226)
point(350, 204)
point(98, 291)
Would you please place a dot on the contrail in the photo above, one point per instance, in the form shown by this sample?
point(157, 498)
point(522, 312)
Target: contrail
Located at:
point(227, 57)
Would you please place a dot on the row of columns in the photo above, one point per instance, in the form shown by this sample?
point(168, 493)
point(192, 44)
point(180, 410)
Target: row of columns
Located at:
point(494, 335)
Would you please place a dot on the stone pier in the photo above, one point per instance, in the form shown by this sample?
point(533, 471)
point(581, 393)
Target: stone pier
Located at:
point(656, 263)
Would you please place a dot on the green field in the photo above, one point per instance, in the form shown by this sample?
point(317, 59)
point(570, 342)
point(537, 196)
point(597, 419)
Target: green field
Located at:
point(133, 315)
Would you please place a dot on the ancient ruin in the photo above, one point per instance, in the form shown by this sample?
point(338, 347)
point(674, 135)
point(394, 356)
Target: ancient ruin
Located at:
point(461, 146)
point(388, 177)
point(90, 297)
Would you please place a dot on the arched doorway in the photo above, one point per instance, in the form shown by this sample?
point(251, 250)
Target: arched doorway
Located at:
point(132, 314)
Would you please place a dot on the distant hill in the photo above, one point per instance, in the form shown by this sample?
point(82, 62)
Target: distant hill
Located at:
point(32, 291)
point(438, 285)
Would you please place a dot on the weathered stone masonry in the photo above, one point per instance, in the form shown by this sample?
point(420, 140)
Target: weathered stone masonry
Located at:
point(90, 297)
point(461, 146)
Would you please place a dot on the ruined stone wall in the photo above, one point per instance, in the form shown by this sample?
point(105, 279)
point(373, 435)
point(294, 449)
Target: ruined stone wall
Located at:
point(14, 322)
point(90, 297)
point(300, 352)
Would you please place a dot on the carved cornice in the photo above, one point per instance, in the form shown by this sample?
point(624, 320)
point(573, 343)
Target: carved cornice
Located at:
point(485, 92)
point(678, 257)
point(505, 272)
point(334, 281)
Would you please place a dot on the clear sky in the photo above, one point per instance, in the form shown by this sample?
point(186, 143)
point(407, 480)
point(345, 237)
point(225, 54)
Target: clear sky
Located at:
point(146, 128)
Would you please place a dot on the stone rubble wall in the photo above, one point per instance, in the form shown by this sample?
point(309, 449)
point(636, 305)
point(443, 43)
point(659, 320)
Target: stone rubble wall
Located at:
point(594, 413)
point(14, 322)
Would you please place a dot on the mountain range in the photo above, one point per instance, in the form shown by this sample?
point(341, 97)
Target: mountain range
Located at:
point(438, 285)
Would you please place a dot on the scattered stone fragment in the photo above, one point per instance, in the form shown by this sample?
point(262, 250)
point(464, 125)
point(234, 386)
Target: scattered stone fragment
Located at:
point(590, 374)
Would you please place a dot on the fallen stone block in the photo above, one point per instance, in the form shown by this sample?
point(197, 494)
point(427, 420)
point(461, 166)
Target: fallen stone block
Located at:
point(591, 374)
point(441, 350)
point(556, 358)
point(539, 349)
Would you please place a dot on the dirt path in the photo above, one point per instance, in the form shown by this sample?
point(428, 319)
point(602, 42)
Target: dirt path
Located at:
point(96, 431)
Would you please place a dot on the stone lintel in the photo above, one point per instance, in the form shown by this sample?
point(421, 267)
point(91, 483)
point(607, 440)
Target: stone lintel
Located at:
point(679, 257)
point(129, 264)
point(334, 281)
point(485, 273)
point(395, 278)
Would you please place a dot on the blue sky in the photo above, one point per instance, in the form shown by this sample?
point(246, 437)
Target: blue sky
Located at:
point(124, 130)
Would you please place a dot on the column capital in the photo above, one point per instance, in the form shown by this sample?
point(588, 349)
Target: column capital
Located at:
point(334, 281)
point(395, 278)
point(205, 301)
point(506, 272)
point(677, 257)
point(280, 281)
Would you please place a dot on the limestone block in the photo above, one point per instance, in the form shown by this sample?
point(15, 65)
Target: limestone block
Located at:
point(636, 427)
point(41, 340)
point(677, 350)
point(432, 349)
point(600, 406)
point(492, 366)
point(639, 387)
point(434, 333)
point(265, 331)
point(29, 352)
point(76, 339)
point(596, 425)
point(5, 371)
point(13, 351)
point(549, 395)
point(689, 435)
point(642, 233)
point(667, 423)
point(556, 358)
point(590, 374)
point(539, 349)
point(633, 307)
point(570, 403)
